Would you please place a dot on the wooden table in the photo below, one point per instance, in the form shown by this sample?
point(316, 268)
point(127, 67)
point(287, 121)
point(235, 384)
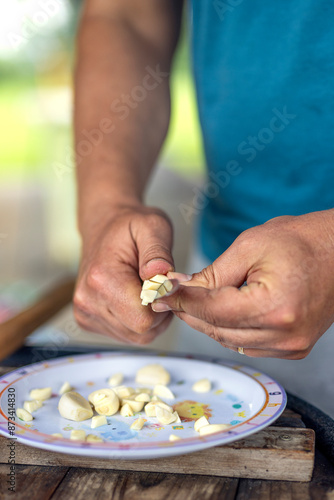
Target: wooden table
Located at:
point(55, 477)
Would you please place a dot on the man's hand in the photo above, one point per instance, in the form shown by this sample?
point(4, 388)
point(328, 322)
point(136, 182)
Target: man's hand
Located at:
point(288, 264)
point(134, 243)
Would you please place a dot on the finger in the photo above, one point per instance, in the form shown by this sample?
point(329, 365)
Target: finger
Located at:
point(225, 307)
point(123, 301)
point(230, 269)
point(268, 353)
point(233, 339)
point(236, 337)
point(154, 244)
point(108, 325)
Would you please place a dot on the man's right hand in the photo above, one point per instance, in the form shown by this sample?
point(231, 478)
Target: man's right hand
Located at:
point(132, 245)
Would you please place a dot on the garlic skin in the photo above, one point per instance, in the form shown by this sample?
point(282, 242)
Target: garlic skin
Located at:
point(73, 406)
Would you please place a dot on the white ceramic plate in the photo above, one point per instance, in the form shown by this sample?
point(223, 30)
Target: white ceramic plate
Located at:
point(240, 396)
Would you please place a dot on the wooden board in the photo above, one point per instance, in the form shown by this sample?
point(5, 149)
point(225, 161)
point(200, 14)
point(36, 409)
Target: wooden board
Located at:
point(275, 453)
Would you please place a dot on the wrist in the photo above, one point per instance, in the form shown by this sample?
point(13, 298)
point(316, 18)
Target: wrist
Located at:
point(94, 218)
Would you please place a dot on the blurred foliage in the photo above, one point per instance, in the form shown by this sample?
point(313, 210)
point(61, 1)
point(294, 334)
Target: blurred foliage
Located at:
point(35, 106)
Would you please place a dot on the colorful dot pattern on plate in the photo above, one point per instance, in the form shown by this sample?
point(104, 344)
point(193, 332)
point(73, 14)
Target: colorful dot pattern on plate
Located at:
point(240, 396)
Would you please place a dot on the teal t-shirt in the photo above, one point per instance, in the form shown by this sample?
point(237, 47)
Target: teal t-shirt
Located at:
point(264, 76)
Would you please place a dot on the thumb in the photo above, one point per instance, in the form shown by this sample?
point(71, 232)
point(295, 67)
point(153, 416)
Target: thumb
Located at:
point(230, 269)
point(154, 246)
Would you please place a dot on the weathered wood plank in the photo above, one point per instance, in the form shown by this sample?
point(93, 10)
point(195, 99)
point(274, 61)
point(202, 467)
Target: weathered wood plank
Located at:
point(31, 482)
point(107, 484)
point(320, 488)
point(274, 453)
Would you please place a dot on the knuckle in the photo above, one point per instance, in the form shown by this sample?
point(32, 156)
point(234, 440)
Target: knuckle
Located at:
point(301, 354)
point(299, 346)
point(287, 317)
point(80, 319)
point(158, 217)
point(80, 305)
point(143, 325)
point(95, 277)
point(208, 276)
point(154, 250)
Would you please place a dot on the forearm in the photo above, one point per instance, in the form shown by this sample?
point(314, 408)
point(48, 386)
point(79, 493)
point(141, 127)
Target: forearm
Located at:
point(113, 60)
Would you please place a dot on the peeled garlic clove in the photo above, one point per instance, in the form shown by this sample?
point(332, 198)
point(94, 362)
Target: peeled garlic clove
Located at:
point(164, 417)
point(150, 285)
point(41, 394)
point(32, 406)
point(150, 410)
point(201, 422)
point(135, 406)
point(163, 392)
point(143, 397)
point(152, 375)
point(148, 296)
point(173, 437)
point(98, 421)
point(78, 435)
point(126, 411)
point(138, 424)
point(177, 417)
point(203, 385)
point(143, 390)
point(123, 392)
point(75, 407)
point(168, 285)
point(116, 379)
point(155, 288)
point(165, 406)
point(65, 388)
point(212, 428)
point(159, 278)
point(91, 438)
point(154, 399)
point(24, 415)
point(105, 401)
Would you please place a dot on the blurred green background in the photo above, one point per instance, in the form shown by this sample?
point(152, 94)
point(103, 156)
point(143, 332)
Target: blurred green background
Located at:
point(35, 94)
point(38, 236)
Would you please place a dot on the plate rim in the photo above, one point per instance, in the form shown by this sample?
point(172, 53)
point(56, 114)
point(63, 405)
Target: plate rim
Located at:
point(116, 450)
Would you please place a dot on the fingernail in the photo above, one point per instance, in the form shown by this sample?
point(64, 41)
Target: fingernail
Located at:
point(181, 277)
point(160, 307)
